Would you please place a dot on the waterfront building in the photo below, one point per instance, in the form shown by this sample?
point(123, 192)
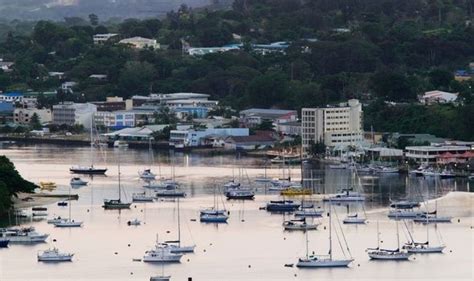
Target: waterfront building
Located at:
point(336, 126)
point(253, 117)
point(253, 142)
point(194, 138)
point(22, 116)
point(70, 113)
point(440, 153)
point(135, 134)
point(292, 128)
point(111, 104)
point(140, 42)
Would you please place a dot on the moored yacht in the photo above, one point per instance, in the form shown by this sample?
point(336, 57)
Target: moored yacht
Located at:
point(4, 243)
point(77, 181)
point(161, 253)
point(53, 255)
point(240, 194)
point(423, 248)
point(142, 197)
point(147, 174)
point(282, 206)
point(299, 224)
point(23, 235)
point(346, 195)
point(354, 219)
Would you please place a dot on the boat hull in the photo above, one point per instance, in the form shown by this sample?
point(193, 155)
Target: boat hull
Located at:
point(426, 250)
point(397, 256)
point(4, 243)
point(433, 220)
point(88, 171)
point(116, 206)
point(354, 221)
point(65, 224)
point(303, 263)
point(55, 259)
point(160, 278)
point(304, 214)
point(159, 258)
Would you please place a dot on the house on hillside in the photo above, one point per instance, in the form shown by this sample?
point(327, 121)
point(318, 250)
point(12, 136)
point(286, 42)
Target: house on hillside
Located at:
point(140, 42)
point(433, 97)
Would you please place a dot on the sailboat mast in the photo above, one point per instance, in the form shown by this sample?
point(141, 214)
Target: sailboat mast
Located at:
point(69, 202)
point(179, 227)
point(330, 231)
point(307, 241)
point(398, 237)
point(119, 187)
point(92, 141)
point(378, 236)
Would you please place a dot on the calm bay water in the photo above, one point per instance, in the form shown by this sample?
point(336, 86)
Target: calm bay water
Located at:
point(252, 246)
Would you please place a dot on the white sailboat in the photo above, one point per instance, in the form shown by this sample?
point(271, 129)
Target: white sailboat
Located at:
point(69, 222)
point(176, 246)
point(147, 174)
point(318, 261)
point(386, 254)
point(422, 247)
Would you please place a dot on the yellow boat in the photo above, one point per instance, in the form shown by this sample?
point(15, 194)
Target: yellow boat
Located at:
point(292, 191)
point(47, 184)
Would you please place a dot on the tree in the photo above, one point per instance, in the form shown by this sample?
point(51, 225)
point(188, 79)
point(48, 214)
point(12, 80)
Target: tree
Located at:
point(94, 19)
point(317, 148)
point(35, 122)
point(136, 78)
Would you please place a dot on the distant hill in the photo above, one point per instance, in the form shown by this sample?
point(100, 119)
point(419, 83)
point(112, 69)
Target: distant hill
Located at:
point(105, 9)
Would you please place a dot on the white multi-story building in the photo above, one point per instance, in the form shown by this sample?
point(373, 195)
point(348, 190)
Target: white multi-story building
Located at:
point(335, 126)
point(70, 113)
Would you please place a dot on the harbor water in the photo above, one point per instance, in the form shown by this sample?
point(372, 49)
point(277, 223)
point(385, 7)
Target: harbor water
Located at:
point(253, 244)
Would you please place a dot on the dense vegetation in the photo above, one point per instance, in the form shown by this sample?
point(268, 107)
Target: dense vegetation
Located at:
point(10, 184)
point(374, 50)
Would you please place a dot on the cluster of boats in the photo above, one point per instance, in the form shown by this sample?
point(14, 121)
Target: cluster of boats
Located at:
point(424, 171)
point(376, 169)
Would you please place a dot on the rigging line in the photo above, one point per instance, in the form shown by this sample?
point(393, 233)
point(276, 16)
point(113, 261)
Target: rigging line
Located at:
point(410, 238)
point(343, 236)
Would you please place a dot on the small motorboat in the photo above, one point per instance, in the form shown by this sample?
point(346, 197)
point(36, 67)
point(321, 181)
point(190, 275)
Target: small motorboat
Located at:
point(55, 220)
point(62, 204)
point(240, 194)
point(354, 219)
point(309, 213)
point(135, 222)
point(142, 197)
point(147, 174)
point(282, 206)
point(295, 191)
point(76, 181)
point(53, 255)
point(68, 223)
point(299, 224)
point(161, 253)
point(214, 218)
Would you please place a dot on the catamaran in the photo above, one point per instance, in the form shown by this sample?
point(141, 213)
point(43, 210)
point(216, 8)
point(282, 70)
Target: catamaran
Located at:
point(316, 261)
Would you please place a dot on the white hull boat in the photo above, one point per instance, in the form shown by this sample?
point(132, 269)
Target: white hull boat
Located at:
point(322, 261)
point(147, 175)
point(404, 214)
point(28, 235)
point(354, 219)
point(56, 220)
point(432, 219)
point(299, 225)
point(53, 255)
point(142, 197)
point(424, 249)
point(309, 213)
point(68, 223)
point(388, 255)
point(77, 182)
point(134, 222)
point(161, 253)
point(160, 278)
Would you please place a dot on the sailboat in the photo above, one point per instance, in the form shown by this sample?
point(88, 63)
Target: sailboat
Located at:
point(91, 170)
point(324, 260)
point(432, 217)
point(424, 247)
point(68, 222)
point(116, 204)
point(355, 218)
point(176, 246)
point(386, 254)
point(214, 214)
point(147, 174)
